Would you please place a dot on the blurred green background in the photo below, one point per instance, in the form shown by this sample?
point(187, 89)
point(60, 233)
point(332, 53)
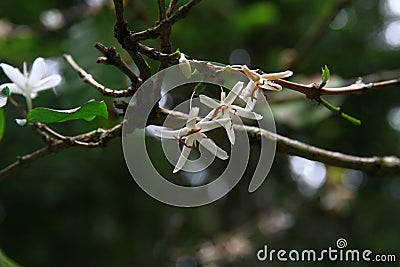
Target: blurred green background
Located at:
point(82, 208)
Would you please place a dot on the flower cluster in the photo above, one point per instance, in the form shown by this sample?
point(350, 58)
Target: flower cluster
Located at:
point(221, 115)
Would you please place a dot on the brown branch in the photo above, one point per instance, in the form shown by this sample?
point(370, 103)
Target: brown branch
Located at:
point(96, 138)
point(171, 7)
point(313, 91)
point(112, 57)
point(88, 78)
point(379, 165)
point(162, 12)
point(154, 32)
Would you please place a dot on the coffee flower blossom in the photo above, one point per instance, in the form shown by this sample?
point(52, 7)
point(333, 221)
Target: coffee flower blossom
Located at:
point(226, 109)
point(29, 84)
point(260, 81)
point(193, 134)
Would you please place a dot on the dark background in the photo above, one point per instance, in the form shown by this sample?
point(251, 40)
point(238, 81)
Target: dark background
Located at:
point(82, 208)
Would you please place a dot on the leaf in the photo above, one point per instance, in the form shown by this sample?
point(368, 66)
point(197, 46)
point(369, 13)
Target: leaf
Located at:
point(326, 74)
point(2, 124)
point(4, 94)
point(6, 262)
point(86, 112)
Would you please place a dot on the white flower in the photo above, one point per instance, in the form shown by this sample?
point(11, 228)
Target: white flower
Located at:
point(184, 66)
point(264, 81)
point(226, 109)
point(29, 84)
point(192, 134)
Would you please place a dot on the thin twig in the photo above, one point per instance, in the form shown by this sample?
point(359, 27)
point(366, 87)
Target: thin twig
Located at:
point(171, 7)
point(154, 32)
point(312, 91)
point(96, 138)
point(379, 165)
point(112, 57)
point(88, 78)
point(162, 13)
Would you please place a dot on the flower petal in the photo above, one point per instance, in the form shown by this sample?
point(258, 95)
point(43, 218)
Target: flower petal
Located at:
point(230, 132)
point(183, 157)
point(14, 89)
point(233, 93)
point(241, 112)
point(37, 71)
point(170, 134)
point(47, 83)
point(193, 113)
point(14, 75)
point(270, 85)
point(277, 75)
point(208, 101)
point(210, 125)
point(209, 144)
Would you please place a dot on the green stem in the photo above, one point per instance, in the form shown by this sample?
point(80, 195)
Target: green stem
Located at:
point(338, 111)
point(28, 102)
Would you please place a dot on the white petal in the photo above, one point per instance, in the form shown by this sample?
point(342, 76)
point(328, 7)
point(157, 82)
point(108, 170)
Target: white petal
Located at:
point(47, 83)
point(210, 125)
point(230, 132)
point(269, 85)
point(241, 112)
point(14, 89)
point(251, 74)
point(209, 144)
point(37, 71)
point(182, 158)
point(250, 103)
point(208, 101)
point(191, 122)
point(210, 116)
point(170, 134)
point(14, 75)
point(234, 93)
point(184, 66)
point(277, 75)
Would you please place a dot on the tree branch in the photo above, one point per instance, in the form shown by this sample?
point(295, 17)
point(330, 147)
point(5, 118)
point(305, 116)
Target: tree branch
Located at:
point(154, 32)
point(114, 58)
point(88, 78)
point(379, 165)
point(96, 138)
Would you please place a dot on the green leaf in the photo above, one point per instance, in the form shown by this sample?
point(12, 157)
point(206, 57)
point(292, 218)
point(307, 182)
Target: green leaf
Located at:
point(326, 74)
point(86, 112)
point(2, 124)
point(6, 262)
point(4, 94)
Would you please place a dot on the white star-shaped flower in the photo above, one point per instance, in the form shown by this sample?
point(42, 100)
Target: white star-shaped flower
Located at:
point(226, 109)
point(29, 84)
point(193, 134)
